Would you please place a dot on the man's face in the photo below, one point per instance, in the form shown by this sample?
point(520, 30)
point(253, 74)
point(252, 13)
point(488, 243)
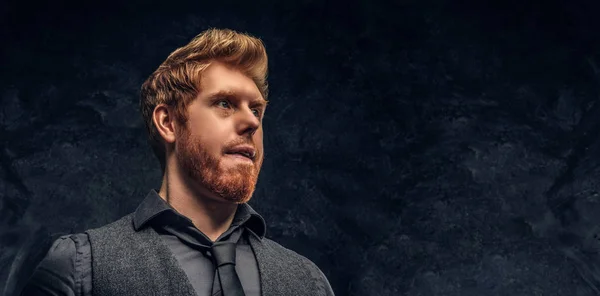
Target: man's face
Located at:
point(224, 127)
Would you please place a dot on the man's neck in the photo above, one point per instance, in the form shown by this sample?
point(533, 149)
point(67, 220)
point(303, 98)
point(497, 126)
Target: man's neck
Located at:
point(211, 216)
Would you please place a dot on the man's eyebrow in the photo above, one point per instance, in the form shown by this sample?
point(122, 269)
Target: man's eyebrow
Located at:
point(260, 101)
point(223, 93)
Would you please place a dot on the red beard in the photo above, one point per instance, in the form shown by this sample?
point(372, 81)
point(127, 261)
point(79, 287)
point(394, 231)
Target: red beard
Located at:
point(235, 184)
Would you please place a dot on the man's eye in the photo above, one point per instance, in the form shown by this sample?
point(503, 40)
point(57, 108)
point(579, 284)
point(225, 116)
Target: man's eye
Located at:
point(256, 112)
point(223, 104)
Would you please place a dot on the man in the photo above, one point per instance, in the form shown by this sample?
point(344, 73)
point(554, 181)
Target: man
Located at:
point(197, 235)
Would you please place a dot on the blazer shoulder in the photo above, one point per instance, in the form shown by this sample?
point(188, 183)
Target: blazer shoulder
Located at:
point(314, 270)
point(116, 230)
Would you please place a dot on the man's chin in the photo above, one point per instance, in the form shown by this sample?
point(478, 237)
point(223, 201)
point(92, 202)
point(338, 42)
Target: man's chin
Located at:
point(233, 191)
point(233, 185)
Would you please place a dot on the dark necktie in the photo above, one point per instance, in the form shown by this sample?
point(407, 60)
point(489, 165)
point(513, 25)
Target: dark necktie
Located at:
point(224, 255)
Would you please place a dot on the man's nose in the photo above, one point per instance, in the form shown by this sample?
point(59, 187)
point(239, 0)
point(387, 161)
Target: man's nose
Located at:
point(247, 121)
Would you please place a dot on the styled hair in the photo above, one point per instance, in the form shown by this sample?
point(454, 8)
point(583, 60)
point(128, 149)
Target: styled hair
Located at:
point(176, 82)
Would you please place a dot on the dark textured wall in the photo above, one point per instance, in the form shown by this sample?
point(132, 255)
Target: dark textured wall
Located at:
point(415, 148)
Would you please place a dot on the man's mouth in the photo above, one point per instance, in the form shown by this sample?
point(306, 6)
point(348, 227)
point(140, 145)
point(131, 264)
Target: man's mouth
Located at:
point(241, 155)
point(245, 151)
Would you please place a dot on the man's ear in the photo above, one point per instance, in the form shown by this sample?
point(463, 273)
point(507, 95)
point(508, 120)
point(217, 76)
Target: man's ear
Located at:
point(164, 120)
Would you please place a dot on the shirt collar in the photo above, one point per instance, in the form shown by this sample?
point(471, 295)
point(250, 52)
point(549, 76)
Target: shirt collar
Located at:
point(153, 205)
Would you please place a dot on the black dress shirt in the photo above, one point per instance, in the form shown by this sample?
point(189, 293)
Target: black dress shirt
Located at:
point(67, 267)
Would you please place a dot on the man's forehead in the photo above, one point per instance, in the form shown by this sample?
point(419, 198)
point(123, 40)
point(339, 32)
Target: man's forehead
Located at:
point(220, 79)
